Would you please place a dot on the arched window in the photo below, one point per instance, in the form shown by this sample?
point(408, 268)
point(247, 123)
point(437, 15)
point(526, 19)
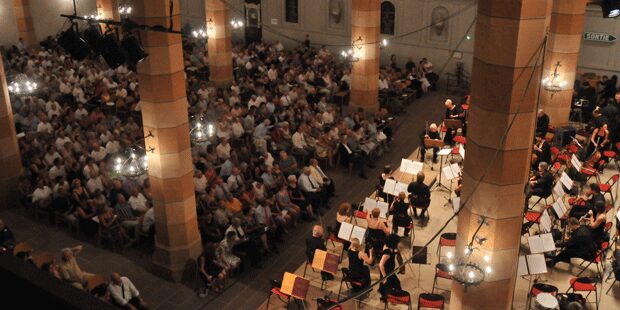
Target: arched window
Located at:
point(388, 15)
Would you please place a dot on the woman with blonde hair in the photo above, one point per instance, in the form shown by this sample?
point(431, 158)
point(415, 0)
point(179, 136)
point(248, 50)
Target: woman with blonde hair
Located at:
point(358, 261)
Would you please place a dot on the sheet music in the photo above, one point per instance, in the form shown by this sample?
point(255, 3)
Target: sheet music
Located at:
point(558, 191)
point(541, 243)
point(566, 180)
point(576, 163)
point(369, 204)
point(389, 186)
point(559, 207)
point(404, 164)
point(536, 264)
point(522, 269)
point(414, 167)
point(345, 231)
point(359, 233)
point(548, 242)
point(545, 222)
point(383, 208)
point(444, 152)
point(456, 204)
point(400, 187)
point(462, 151)
point(451, 172)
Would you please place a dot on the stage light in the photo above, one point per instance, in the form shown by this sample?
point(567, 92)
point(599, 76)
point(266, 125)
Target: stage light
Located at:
point(111, 51)
point(73, 44)
point(611, 8)
point(135, 52)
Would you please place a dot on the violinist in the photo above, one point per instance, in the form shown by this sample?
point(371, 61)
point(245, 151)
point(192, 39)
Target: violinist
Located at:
point(586, 202)
point(541, 151)
point(541, 184)
point(596, 221)
point(580, 244)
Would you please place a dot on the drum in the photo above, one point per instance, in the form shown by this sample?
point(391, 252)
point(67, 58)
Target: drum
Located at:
point(545, 301)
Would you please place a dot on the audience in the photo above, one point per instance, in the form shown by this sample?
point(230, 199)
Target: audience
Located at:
point(71, 271)
point(124, 294)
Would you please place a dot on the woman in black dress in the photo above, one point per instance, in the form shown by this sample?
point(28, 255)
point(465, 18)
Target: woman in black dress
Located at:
point(358, 261)
point(400, 218)
point(387, 265)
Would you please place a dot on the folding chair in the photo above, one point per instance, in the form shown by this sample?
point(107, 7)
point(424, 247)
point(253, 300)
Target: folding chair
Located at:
point(533, 217)
point(584, 284)
point(350, 283)
point(431, 301)
point(275, 290)
point(599, 259)
point(446, 240)
point(606, 188)
point(538, 288)
point(398, 300)
point(441, 271)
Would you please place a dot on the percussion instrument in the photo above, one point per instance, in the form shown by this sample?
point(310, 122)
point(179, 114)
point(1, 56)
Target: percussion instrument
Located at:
point(546, 301)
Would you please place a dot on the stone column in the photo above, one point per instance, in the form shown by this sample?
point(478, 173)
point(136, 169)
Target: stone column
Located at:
point(105, 9)
point(508, 34)
point(164, 113)
point(10, 159)
point(365, 24)
point(219, 43)
point(565, 32)
point(25, 24)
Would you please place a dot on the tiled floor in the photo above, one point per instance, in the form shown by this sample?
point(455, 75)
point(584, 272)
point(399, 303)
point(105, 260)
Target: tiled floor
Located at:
point(249, 290)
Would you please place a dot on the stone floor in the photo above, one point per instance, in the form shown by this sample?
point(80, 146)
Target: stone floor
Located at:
point(249, 290)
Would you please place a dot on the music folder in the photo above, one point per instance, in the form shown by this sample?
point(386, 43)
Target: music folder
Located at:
point(430, 143)
point(389, 186)
point(370, 204)
point(545, 221)
point(453, 123)
point(531, 265)
point(295, 285)
point(325, 261)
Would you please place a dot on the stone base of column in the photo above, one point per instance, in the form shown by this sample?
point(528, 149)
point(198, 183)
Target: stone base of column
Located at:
point(176, 264)
point(476, 297)
point(9, 196)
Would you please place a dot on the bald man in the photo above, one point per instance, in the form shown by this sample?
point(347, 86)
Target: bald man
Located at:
point(316, 242)
point(432, 132)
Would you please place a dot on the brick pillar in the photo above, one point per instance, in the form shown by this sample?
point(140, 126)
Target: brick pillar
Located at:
point(164, 113)
point(365, 23)
point(219, 43)
point(10, 159)
point(25, 25)
point(565, 32)
point(105, 9)
point(507, 35)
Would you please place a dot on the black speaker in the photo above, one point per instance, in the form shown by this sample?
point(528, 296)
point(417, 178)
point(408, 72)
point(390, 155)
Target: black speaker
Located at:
point(111, 51)
point(564, 135)
point(73, 44)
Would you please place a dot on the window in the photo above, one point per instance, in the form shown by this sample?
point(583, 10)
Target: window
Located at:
point(292, 11)
point(388, 14)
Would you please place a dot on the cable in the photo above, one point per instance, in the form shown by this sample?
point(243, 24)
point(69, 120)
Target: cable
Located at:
point(538, 51)
point(277, 32)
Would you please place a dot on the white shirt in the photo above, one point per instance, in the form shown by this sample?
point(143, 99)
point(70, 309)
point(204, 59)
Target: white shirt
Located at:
point(307, 183)
point(56, 172)
point(123, 293)
point(41, 194)
point(299, 141)
point(81, 113)
point(148, 220)
point(94, 184)
point(60, 142)
point(45, 127)
point(98, 155)
point(112, 147)
point(223, 151)
point(200, 184)
point(234, 182)
point(138, 203)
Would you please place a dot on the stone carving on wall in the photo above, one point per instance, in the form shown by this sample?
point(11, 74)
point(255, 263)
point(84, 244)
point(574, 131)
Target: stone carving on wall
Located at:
point(252, 15)
point(440, 24)
point(335, 12)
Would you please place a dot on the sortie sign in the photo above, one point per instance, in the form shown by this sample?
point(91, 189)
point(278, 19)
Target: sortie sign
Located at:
point(598, 37)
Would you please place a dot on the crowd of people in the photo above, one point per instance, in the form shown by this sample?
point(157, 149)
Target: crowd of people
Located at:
point(262, 171)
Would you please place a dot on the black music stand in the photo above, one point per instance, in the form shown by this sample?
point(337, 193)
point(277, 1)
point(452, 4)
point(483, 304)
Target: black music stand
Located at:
point(432, 144)
point(419, 259)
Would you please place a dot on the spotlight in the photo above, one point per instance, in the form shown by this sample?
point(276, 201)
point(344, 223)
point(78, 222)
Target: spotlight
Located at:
point(135, 52)
point(111, 51)
point(92, 36)
point(73, 44)
point(611, 8)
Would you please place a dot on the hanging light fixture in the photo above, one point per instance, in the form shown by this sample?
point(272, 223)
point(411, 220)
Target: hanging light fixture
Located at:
point(554, 83)
point(210, 27)
point(202, 131)
point(124, 10)
point(353, 54)
point(134, 161)
point(463, 269)
point(236, 23)
point(22, 85)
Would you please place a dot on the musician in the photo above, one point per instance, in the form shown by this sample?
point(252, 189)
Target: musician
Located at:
point(400, 217)
point(541, 185)
point(430, 133)
point(541, 151)
point(542, 123)
point(586, 202)
point(386, 174)
point(316, 242)
point(580, 244)
point(420, 195)
point(358, 263)
point(598, 141)
point(452, 112)
point(597, 220)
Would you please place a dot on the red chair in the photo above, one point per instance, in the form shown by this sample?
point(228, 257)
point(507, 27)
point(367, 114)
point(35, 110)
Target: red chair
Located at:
point(465, 106)
point(398, 300)
point(533, 217)
point(446, 240)
point(441, 271)
point(275, 290)
point(584, 284)
point(590, 172)
point(599, 259)
point(606, 188)
point(460, 139)
point(431, 301)
point(538, 288)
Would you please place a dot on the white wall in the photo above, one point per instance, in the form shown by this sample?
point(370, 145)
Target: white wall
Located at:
point(45, 14)
point(603, 58)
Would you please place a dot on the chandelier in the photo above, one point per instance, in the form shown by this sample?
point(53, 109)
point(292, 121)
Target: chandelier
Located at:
point(353, 54)
point(236, 23)
point(22, 85)
point(463, 269)
point(553, 83)
point(134, 161)
point(124, 10)
point(201, 131)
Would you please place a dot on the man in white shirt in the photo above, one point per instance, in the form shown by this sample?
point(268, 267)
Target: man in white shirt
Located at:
point(148, 220)
point(57, 170)
point(300, 146)
point(235, 181)
point(137, 201)
point(311, 189)
point(200, 182)
point(42, 195)
point(94, 183)
point(44, 126)
point(98, 153)
point(112, 147)
point(61, 139)
point(324, 181)
point(124, 293)
point(222, 150)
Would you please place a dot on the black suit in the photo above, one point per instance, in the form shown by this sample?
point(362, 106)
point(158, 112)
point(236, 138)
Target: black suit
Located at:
point(542, 124)
point(313, 244)
point(581, 245)
point(420, 196)
point(456, 113)
point(431, 135)
point(543, 186)
point(356, 158)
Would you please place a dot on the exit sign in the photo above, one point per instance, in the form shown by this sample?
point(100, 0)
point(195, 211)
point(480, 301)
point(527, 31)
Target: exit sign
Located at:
point(598, 37)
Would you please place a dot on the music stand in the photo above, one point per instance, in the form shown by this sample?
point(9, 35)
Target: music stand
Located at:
point(419, 259)
point(327, 262)
point(431, 144)
point(451, 123)
point(442, 153)
point(295, 286)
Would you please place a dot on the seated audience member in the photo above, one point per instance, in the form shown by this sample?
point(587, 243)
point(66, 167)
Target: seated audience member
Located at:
point(243, 244)
point(124, 294)
point(580, 244)
point(287, 163)
point(212, 274)
point(137, 201)
point(70, 270)
point(349, 155)
point(125, 216)
point(324, 181)
point(225, 256)
point(311, 189)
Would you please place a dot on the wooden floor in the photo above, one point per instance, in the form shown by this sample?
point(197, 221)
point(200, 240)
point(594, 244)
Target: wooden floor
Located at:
point(249, 290)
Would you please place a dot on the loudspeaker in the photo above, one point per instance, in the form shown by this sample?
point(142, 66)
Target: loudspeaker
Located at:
point(564, 135)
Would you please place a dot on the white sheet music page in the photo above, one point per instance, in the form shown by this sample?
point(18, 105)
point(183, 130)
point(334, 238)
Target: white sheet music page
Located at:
point(359, 233)
point(444, 152)
point(522, 269)
point(545, 221)
point(415, 167)
point(389, 186)
point(536, 244)
point(547, 242)
point(462, 151)
point(447, 173)
point(558, 190)
point(566, 180)
point(456, 204)
point(559, 207)
point(537, 264)
point(383, 209)
point(404, 164)
point(576, 163)
point(345, 231)
point(369, 204)
point(400, 187)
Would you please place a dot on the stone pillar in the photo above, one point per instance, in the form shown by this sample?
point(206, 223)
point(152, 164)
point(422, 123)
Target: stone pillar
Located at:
point(105, 9)
point(508, 34)
point(10, 159)
point(219, 43)
point(164, 113)
point(565, 32)
point(25, 24)
point(365, 24)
